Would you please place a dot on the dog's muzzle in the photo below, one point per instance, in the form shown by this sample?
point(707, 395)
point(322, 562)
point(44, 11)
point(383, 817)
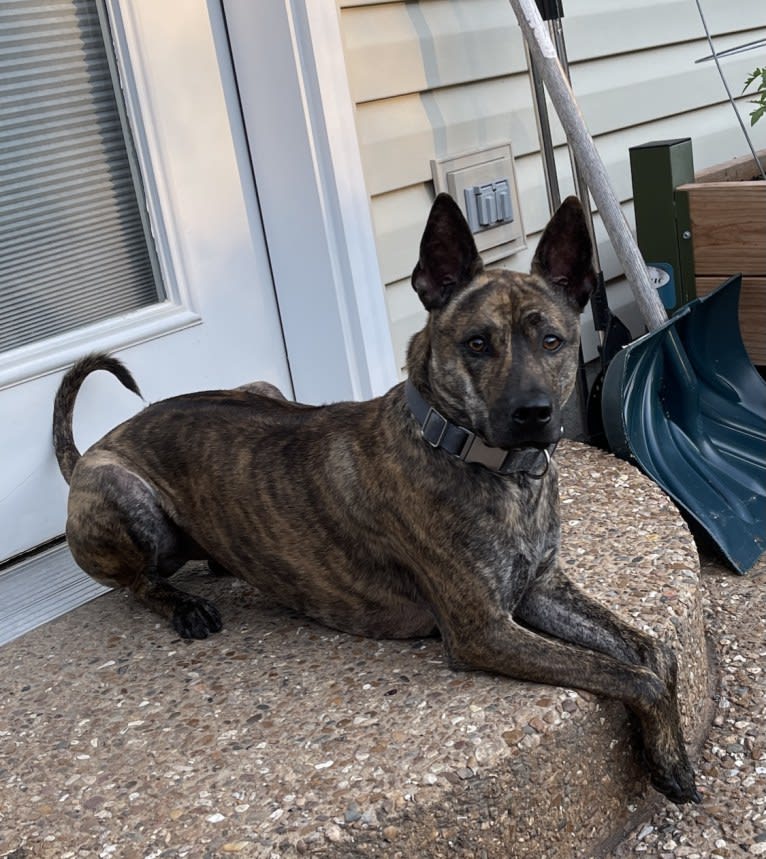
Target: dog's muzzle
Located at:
point(465, 445)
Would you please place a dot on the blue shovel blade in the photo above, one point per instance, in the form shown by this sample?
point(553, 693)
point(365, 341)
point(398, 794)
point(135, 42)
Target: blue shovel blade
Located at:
point(685, 403)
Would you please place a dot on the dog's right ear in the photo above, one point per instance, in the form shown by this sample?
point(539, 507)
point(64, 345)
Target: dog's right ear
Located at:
point(448, 256)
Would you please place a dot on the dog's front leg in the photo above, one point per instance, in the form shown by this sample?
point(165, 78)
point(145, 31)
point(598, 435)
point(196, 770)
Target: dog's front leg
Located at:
point(556, 606)
point(491, 640)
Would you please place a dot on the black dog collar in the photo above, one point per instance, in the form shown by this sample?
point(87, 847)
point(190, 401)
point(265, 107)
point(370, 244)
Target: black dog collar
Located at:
point(466, 445)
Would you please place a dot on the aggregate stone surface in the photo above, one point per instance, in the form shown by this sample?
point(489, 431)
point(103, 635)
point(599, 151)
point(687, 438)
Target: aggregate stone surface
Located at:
point(731, 769)
point(279, 737)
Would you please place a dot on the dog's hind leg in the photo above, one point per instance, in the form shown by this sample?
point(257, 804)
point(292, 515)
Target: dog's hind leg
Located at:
point(119, 534)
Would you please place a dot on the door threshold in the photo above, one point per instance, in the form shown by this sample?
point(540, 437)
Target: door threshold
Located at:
point(40, 588)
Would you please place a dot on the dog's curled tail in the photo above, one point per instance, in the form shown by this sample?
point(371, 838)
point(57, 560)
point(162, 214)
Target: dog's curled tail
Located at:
point(63, 408)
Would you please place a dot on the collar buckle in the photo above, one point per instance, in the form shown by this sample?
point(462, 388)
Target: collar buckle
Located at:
point(475, 450)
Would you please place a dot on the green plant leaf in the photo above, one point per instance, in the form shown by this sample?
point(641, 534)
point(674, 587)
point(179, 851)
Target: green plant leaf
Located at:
point(759, 93)
point(751, 77)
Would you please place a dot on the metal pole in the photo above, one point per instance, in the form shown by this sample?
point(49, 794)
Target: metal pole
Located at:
point(544, 136)
point(581, 186)
point(599, 303)
point(545, 59)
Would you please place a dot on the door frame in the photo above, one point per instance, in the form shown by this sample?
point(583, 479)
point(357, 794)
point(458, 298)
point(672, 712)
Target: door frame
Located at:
point(308, 166)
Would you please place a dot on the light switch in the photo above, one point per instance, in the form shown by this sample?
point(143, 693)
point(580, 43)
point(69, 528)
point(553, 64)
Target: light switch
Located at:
point(488, 208)
point(488, 205)
point(503, 200)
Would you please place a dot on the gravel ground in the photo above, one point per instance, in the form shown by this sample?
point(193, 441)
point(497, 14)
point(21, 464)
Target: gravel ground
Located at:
point(732, 766)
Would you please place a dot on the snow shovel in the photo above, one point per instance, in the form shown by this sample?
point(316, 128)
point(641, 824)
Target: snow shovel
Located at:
point(718, 436)
point(687, 405)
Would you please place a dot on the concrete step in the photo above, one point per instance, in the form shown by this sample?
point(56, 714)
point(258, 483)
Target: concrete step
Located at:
point(279, 737)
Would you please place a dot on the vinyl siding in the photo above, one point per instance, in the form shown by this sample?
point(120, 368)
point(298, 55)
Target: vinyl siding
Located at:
point(442, 77)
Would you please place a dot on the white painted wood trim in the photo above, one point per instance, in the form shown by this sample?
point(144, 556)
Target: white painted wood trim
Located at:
point(136, 92)
point(54, 353)
point(314, 204)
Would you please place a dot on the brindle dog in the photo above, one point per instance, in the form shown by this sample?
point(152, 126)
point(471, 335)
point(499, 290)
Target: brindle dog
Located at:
point(433, 508)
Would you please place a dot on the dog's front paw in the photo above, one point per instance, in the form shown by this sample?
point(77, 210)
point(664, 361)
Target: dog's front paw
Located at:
point(195, 617)
point(671, 773)
point(677, 784)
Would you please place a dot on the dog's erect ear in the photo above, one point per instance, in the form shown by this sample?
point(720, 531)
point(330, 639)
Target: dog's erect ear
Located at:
point(564, 256)
point(448, 255)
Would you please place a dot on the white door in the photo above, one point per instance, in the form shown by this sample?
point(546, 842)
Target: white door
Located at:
point(218, 324)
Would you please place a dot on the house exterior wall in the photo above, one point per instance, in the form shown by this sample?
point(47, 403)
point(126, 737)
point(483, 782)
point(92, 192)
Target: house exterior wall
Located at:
point(438, 78)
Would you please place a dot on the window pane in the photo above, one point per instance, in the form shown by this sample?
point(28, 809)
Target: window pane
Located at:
point(74, 245)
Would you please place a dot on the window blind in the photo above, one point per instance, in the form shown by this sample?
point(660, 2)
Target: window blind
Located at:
point(74, 242)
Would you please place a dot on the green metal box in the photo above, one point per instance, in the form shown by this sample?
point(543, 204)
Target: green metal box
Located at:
point(662, 216)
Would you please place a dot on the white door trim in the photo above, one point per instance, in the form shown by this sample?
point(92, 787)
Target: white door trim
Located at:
point(55, 353)
point(314, 204)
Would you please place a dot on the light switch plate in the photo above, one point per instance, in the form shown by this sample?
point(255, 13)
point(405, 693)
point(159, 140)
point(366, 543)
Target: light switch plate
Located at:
point(460, 173)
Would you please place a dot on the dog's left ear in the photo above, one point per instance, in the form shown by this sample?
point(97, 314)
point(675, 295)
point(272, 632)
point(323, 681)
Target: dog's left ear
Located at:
point(448, 255)
point(564, 256)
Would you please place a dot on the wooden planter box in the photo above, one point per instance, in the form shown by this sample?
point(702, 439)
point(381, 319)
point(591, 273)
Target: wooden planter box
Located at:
point(727, 212)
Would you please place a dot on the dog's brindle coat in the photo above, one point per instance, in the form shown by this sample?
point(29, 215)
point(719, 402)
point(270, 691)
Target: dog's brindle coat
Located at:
point(344, 512)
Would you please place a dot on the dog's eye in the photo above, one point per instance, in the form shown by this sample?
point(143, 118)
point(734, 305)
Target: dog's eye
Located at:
point(477, 344)
point(552, 343)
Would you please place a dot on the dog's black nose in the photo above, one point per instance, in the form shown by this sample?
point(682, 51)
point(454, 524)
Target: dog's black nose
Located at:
point(534, 414)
